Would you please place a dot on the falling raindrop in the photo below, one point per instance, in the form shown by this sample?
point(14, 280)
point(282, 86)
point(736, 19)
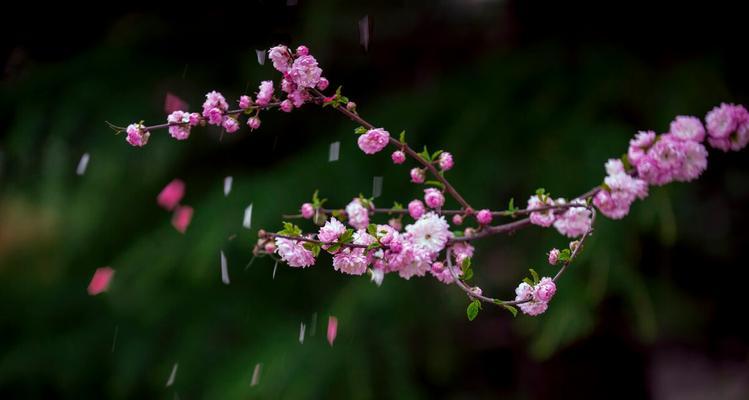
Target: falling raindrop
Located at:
point(82, 165)
point(302, 328)
point(376, 186)
point(335, 148)
point(224, 269)
point(260, 56)
point(256, 374)
point(114, 338)
point(247, 222)
point(227, 185)
point(173, 375)
point(274, 270)
point(364, 30)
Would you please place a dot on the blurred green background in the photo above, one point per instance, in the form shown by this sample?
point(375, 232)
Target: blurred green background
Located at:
point(524, 95)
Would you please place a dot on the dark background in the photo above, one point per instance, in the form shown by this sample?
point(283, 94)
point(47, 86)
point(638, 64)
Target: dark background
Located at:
point(524, 94)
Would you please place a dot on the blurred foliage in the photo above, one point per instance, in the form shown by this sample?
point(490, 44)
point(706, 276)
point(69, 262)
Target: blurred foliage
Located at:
point(518, 110)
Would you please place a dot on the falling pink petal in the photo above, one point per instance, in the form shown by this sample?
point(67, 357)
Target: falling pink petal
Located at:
point(171, 194)
point(332, 329)
point(181, 218)
point(100, 281)
point(174, 103)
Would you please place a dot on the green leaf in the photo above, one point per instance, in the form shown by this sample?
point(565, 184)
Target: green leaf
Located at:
point(372, 229)
point(425, 155)
point(528, 281)
point(466, 263)
point(347, 237)
point(360, 130)
point(467, 274)
point(397, 206)
point(458, 233)
point(626, 163)
point(290, 229)
point(534, 274)
point(435, 183)
point(507, 307)
point(333, 248)
point(375, 245)
point(403, 137)
point(436, 154)
point(511, 206)
point(565, 255)
point(473, 309)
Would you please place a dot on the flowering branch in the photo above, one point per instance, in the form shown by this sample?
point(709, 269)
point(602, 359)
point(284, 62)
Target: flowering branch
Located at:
point(678, 155)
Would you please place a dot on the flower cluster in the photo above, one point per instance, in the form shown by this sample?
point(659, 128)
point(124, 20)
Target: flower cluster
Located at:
point(535, 297)
point(427, 245)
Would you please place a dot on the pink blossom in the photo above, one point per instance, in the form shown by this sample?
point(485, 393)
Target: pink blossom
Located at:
point(688, 128)
point(298, 97)
point(171, 194)
point(434, 198)
point(245, 102)
point(214, 107)
point(553, 256)
point(532, 307)
point(302, 51)
point(722, 120)
point(429, 234)
point(294, 253)
point(484, 217)
point(230, 124)
point(351, 106)
point(253, 123)
point(694, 162)
point(182, 130)
point(287, 86)
point(373, 141)
point(214, 116)
point(395, 223)
point(358, 215)
point(181, 218)
point(287, 106)
point(322, 84)
point(100, 281)
point(477, 291)
point(728, 127)
point(350, 261)
point(443, 274)
point(608, 207)
point(279, 55)
point(331, 231)
point(461, 251)
point(446, 161)
point(541, 218)
point(574, 221)
point(307, 210)
point(639, 145)
point(305, 72)
point(398, 157)
point(416, 209)
point(457, 219)
point(417, 175)
point(544, 290)
point(137, 135)
point(265, 93)
point(332, 329)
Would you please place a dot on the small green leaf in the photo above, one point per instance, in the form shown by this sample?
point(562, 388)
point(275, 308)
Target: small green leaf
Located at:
point(375, 245)
point(372, 229)
point(467, 274)
point(534, 274)
point(425, 155)
point(565, 255)
point(333, 248)
point(403, 137)
point(511, 309)
point(473, 309)
point(528, 281)
point(458, 233)
point(397, 206)
point(435, 183)
point(436, 154)
point(360, 130)
point(347, 236)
